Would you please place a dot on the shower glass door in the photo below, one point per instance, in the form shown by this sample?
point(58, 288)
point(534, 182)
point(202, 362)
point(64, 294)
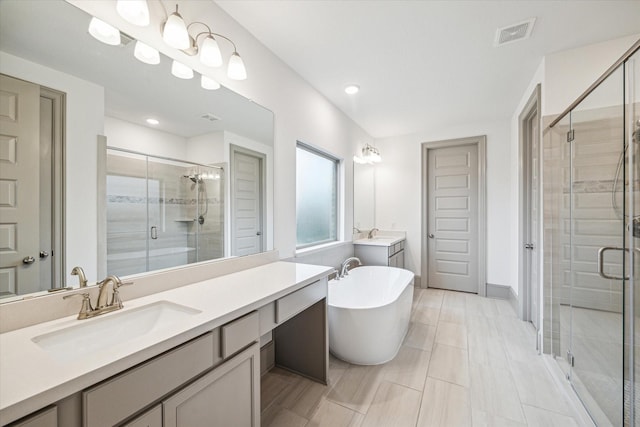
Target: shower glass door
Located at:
point(161, 213)
point(597, 251)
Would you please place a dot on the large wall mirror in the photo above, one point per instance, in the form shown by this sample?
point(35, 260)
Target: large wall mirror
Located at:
point(87, 180)
point(364, 178)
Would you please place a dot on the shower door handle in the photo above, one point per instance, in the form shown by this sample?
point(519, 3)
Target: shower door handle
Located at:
point(154, 232)
point(601, 252)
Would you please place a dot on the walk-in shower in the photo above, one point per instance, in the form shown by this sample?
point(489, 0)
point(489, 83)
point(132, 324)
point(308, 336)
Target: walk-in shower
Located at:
point(161, 212)
point(591, 239)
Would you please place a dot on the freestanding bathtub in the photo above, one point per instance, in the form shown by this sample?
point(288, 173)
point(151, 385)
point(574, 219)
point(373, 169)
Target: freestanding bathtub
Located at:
point(369, 313)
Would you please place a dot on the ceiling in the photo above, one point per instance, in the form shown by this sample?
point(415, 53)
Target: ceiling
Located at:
point(424, 64)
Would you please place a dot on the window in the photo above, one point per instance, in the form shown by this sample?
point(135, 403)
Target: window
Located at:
point(316, 197)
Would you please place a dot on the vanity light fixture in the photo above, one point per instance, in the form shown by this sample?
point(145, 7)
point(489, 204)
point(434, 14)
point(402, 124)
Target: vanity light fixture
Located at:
point(208, 83)
point(174, 32)
point(236, 69)
point(152, 121)
point(352, 89)
point(370, 155)
point(181, 71)
point(104, 32)
point(146, 53)
point(209, 52)
point(135, 12)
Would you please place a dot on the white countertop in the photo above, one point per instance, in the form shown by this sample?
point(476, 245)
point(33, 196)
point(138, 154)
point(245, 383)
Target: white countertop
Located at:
point(379, 241)
point(30, 378)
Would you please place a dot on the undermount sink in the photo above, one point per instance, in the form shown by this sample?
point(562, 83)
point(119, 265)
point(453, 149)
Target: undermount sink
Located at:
point(90, 336)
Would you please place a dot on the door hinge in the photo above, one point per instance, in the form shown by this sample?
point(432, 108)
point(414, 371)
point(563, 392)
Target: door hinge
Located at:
point(571, 135)
point(570, 359)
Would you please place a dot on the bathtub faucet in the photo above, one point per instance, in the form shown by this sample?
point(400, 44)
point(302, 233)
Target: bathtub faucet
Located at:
point(344, 271)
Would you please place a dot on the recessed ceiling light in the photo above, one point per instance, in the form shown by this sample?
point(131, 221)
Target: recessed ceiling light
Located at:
point(352, 89)
point(153, 122)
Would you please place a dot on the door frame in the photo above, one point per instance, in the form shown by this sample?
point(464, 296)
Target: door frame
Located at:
point(233, 149)
point(533, 106)
point(58, 171)
point(481, 143)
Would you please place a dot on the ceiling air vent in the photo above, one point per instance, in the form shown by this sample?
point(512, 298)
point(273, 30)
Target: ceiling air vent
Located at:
point(210, 117)
point(515, 32)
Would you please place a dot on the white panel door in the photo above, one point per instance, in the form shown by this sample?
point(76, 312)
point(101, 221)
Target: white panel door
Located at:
point(453, 218)
point(19, 182)
point(247, 204)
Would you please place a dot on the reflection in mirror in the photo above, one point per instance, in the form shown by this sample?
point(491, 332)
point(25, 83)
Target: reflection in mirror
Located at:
point(364, 196)
point(153, 192)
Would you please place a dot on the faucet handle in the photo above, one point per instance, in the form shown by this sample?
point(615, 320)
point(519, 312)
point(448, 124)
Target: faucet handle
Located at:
point(115, 296)
point(86, 307)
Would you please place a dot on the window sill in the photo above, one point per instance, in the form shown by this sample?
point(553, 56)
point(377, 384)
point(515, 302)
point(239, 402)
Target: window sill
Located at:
point(313, 249)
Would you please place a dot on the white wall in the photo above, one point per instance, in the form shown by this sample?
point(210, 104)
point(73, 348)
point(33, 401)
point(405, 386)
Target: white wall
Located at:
point(84, 117)
point(569, 73)
point(301, 113)
point(134, 137)
point(398, 192)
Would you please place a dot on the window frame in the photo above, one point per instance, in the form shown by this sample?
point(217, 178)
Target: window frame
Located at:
point(337, 162)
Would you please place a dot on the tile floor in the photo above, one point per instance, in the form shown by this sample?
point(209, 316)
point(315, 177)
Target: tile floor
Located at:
point(466, 361)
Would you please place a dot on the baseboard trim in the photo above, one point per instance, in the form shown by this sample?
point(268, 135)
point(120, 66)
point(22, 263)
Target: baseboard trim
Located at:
point(513, 299)
point(498, 291)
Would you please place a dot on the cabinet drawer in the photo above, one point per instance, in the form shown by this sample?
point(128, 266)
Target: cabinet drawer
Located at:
point(267, 317)
point(123, 395)
point(151, 418)
point(292, 304)
point(239, 333)
point(45, 418)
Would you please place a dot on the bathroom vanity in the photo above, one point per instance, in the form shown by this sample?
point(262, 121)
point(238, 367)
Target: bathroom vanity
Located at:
point(382, 249)
point(183, 357)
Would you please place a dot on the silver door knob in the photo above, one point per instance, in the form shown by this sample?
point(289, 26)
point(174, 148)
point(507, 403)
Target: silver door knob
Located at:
point(28, 260)
point(528, 246)
point(44, 254)
point(431, 236)
point(259, 233)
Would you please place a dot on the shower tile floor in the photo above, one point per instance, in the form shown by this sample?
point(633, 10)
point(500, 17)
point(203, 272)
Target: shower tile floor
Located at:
point(466, 361)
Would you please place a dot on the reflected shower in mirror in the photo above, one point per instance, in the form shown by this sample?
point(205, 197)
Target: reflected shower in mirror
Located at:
point(103, 97)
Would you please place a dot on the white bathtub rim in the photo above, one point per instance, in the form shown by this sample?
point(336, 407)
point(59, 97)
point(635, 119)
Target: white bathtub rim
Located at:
point(334, 282)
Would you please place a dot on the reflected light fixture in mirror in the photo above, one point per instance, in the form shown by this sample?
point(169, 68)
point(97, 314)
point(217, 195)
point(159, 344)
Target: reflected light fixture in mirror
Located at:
point(181, 71)
point(208, 83)
point(104, 32)
point(145, 53)
point(175, 32)
point(135, 12)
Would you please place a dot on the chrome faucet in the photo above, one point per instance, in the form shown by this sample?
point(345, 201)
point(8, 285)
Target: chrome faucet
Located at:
point(344, 271)
point(370, 235)
point(102, 306)
point(78, 271)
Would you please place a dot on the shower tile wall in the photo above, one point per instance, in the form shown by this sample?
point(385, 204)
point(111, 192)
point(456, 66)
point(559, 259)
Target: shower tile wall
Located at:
point(596, 224)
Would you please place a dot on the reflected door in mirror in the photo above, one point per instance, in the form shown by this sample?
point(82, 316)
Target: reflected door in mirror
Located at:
point(25, 188)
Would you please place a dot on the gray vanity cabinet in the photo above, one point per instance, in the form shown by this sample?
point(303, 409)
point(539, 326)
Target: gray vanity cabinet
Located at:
point(211, 380)
point(226, 396)
point(392, 255)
